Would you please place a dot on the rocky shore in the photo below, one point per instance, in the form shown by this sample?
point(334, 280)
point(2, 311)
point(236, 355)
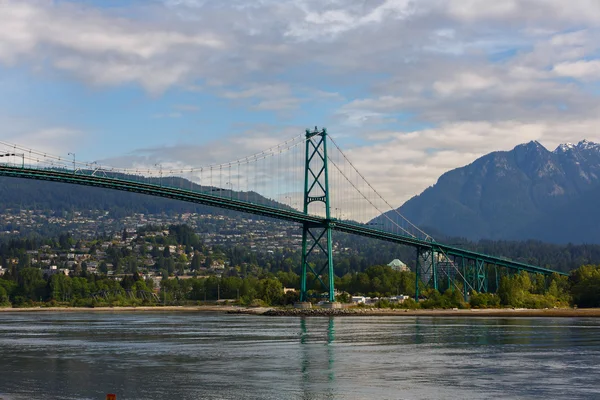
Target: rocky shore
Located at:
point(503, 312)
point(316, 312)
point(295, 312)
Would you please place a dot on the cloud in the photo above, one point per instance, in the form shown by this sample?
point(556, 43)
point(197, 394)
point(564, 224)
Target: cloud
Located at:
point(168, 115)
point(583, 70)
point(274, 97)
point(415, 87)
point(409, 162)
point(238, 162)
point(332, 22)
point(101, 49)
point(186, 107)
point(50, 140)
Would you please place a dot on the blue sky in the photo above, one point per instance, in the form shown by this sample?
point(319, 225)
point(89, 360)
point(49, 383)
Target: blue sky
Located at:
point(420, 86)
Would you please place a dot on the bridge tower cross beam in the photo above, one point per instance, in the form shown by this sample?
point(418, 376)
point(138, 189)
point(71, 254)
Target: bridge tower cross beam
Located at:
point(316, 238)
point(482, 284)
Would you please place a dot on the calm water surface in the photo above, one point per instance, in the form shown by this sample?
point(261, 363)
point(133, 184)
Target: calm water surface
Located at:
point(220, 356)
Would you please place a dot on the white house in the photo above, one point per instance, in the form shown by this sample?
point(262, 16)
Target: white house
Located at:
point(398, 265)
point(399, 298)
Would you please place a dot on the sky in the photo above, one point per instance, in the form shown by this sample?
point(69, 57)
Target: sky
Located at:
point(410, 89)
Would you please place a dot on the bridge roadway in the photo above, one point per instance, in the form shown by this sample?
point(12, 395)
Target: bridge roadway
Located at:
point(258, 209)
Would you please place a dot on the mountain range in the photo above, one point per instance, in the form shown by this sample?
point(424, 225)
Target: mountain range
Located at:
point(528, 192)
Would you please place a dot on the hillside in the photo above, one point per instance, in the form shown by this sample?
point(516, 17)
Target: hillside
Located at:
point(40, 195)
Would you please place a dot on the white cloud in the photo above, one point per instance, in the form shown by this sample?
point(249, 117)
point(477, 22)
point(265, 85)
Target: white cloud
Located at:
point(329, 23)
point(465, 83)
point(186, 107)
point(584, 70)
point(101, 49)
point(409, 162)
point(50, 140)
point(433, 83)
point(544, 12)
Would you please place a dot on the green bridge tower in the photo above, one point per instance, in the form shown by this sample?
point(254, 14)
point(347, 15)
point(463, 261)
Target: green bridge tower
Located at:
point(316, 237)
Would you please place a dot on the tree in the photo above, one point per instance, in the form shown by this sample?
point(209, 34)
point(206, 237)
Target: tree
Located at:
point(271, 291)
point(586, 286)
point(32, 283)
point(60, 287)
point(65, 241)
point(196, 262)
point(103, 267)
point(3, 297)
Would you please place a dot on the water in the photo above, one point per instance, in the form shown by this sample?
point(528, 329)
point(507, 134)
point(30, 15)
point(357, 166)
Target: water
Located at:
point(220, 356)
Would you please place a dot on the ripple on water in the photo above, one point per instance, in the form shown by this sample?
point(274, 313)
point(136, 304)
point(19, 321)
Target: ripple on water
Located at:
point(189, 356)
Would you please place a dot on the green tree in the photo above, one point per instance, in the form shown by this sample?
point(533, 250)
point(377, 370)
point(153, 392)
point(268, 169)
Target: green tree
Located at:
point(271, 291)
point(32, 284)
point(60, 287)
point(4, 301)
point(196, 262)
point(585, 287)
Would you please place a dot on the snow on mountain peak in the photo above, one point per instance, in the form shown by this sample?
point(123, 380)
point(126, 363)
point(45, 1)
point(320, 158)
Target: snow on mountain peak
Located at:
point(563, 148)
point(582, 145)
point(585, 145)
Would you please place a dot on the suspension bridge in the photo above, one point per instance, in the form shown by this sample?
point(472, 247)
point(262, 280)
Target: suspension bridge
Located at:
point(306, 180)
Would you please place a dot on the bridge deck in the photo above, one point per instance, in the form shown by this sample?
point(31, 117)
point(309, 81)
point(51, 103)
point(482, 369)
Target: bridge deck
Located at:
point(258, 209)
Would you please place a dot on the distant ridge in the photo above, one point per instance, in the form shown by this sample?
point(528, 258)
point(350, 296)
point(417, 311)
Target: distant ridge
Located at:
point(18, 193)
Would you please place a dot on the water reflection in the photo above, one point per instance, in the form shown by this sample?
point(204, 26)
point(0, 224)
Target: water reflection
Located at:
point(330, 348)
point(191, 356)
point(312, 341)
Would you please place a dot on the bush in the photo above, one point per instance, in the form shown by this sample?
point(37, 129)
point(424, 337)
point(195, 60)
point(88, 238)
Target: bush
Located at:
point(383, 303)
point(539, 301)
point(410, 304)
point(257, 303)
point(450, 299)
point(484, 300)
point(343, 297)
point(4, 302)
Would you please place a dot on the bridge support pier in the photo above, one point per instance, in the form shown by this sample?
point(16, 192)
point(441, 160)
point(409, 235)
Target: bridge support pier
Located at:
point(335, 305)
point(303, 305)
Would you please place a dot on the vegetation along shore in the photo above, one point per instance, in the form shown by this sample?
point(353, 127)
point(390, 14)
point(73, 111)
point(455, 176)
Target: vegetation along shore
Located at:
point(169, 268)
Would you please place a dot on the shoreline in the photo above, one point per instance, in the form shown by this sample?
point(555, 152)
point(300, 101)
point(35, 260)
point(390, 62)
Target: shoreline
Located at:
point(273, 311)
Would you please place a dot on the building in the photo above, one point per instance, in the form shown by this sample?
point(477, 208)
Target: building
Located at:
point(398, 265)
point(399, 298)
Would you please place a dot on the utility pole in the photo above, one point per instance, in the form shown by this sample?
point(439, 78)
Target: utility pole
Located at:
point(160, 173)
point(218, 292)
point(73, 154)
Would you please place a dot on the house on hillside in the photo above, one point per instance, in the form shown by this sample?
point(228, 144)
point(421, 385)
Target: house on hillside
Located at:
point(398, 265)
